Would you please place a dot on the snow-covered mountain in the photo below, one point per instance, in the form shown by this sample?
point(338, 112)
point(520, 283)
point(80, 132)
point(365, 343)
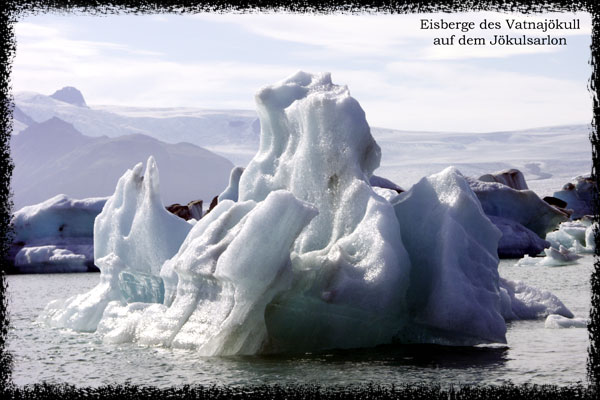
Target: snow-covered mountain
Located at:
point(231, 133)
point(548, 157)
point(53, 158)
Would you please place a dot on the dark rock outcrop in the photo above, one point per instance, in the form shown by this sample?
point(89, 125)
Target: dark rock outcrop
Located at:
point(192, 210)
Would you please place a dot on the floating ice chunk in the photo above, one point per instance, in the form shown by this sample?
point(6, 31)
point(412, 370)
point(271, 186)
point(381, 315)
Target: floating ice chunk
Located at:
point(560, 256)
point(553, 258)
point(453, 253)
point(522, 206)
point(231, 191)
point(570, 234)
point(55, 236)
point(557, 322)
point(55, 218)
point(521, 301)
point(577, 236)
point(48, 254)
point(267, 273)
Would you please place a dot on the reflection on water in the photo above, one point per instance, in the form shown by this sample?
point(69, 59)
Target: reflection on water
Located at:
point(398, 355)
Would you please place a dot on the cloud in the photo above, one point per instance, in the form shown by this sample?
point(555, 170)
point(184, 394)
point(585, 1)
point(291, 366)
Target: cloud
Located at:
point(404, 91)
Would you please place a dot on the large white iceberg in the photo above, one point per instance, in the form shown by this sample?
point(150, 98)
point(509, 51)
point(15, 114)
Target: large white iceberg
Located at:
point(301, 253)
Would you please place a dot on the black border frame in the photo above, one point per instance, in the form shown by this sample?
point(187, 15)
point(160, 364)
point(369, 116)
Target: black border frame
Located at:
point(12, 10)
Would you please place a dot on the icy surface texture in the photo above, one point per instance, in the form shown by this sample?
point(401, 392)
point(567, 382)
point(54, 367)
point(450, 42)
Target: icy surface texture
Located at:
point(133, 233)
point(558, 322)
point(579, 196)
point(522, 206)
point(134, 224)
point(141, 287)
point(224, 282)
point(350, 261)
point(516, 240)
point(231, 191)
point(452, 247)
point(511, 177)
point(520, 301)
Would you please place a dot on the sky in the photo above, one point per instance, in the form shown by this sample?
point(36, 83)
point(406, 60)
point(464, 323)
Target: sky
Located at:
point(391, 66)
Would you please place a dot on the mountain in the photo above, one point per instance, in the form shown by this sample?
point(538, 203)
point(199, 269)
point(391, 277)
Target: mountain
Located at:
point(548, 157)
point(70, 95)
point(231, 133)
point(53, 157)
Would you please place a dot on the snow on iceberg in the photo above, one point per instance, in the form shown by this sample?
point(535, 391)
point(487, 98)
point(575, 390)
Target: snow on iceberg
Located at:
point(306, 255)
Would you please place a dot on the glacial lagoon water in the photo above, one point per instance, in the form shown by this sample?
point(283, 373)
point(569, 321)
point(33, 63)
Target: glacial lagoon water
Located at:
point(534, 354)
